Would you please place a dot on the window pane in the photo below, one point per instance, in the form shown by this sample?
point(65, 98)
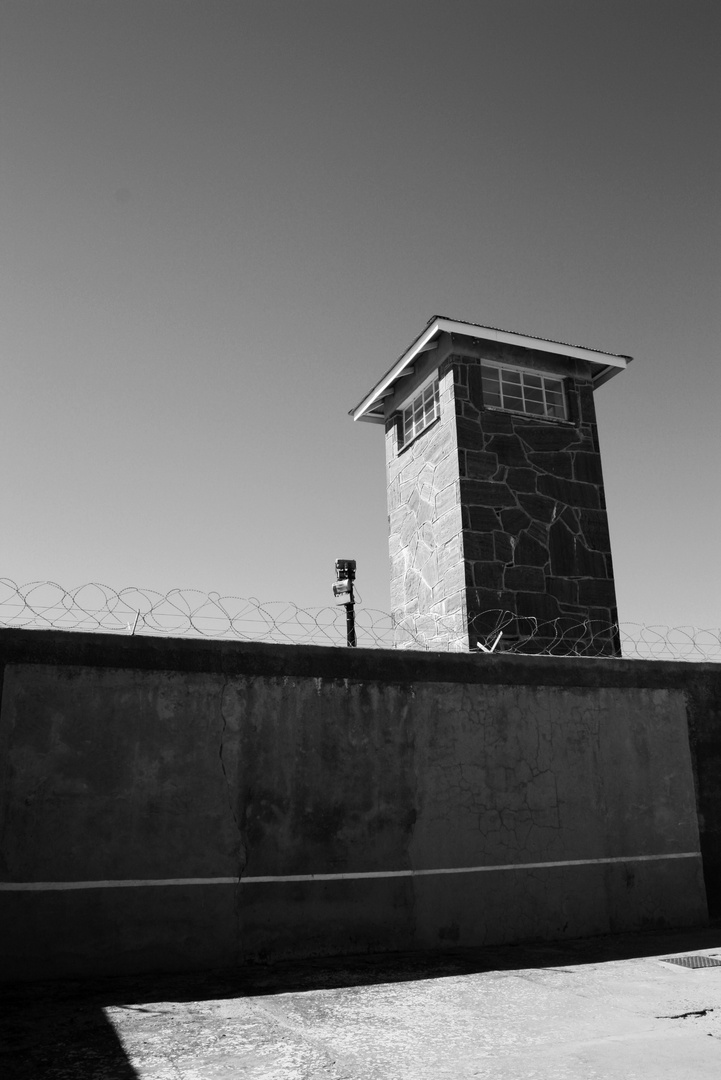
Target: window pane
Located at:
point(523, 391)
point(531, 393)
point(421, 412)
point(436, 401)
point(490, 386)
point(555, 401)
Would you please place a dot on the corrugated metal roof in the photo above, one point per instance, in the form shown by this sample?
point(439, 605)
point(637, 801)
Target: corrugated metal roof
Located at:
point(522, 333)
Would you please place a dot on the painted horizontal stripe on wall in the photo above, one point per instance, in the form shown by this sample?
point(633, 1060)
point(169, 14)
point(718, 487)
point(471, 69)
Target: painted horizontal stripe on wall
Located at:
point(50, 886)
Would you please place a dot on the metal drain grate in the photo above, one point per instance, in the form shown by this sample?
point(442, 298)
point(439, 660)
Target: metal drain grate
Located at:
point(692, 961)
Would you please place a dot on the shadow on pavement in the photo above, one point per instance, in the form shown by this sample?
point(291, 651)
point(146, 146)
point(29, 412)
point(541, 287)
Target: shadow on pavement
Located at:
point(49, 1035)
point(59, 1030)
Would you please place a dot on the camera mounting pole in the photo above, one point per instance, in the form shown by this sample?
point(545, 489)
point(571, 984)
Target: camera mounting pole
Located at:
point(343, 592)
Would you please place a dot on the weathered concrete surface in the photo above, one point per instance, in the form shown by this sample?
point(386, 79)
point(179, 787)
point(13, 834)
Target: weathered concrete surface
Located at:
point(605, 1009)
point(187, 806)
point(704, 715)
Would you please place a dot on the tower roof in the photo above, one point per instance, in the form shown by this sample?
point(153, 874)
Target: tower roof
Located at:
point(604, 365)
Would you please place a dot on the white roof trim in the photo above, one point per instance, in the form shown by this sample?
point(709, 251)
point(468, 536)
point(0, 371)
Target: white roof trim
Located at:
point(607, 364)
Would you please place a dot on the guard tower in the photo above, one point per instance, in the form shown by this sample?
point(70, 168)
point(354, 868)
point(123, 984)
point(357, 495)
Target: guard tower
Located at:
point(497, 516)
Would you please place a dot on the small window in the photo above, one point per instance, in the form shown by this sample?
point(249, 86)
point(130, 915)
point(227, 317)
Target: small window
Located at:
point(420, 413)
point(523, 391)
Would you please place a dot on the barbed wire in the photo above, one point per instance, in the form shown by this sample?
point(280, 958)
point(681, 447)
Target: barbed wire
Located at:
point(182, 612)
point(191, 612)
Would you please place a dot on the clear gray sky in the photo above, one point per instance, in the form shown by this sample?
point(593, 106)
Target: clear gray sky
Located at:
point(221, 223)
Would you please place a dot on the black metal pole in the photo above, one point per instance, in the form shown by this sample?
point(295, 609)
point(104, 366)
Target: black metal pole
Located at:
point(343, 589)
point(350, 621)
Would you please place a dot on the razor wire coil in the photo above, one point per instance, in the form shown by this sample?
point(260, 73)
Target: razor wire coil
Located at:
point(94, 607)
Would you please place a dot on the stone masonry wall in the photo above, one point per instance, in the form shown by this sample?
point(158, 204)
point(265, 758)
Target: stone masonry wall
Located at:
point(535, 529)
point(428, 576)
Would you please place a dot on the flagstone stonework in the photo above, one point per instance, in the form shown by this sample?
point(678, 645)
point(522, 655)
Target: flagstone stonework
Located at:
point(494, 512)
point(428, 572)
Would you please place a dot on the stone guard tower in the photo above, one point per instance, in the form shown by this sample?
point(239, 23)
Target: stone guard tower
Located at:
point(497, 515)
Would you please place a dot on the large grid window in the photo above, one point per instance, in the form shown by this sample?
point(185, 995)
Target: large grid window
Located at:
point(421, 412)
point(523, 391)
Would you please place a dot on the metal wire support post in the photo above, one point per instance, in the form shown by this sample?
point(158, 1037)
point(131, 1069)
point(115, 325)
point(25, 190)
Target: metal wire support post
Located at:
point(343, 592)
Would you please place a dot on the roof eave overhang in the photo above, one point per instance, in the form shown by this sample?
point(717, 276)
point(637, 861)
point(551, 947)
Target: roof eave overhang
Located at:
point(603, 365)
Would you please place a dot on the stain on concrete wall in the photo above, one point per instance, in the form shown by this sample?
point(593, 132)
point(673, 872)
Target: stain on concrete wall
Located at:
point(181, 816)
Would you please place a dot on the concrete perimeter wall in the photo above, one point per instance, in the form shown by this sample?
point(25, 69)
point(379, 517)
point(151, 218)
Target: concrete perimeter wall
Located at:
point(171, 804)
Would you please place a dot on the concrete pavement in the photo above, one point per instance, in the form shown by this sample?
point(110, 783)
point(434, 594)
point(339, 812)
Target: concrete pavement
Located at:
point(585, 1010)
